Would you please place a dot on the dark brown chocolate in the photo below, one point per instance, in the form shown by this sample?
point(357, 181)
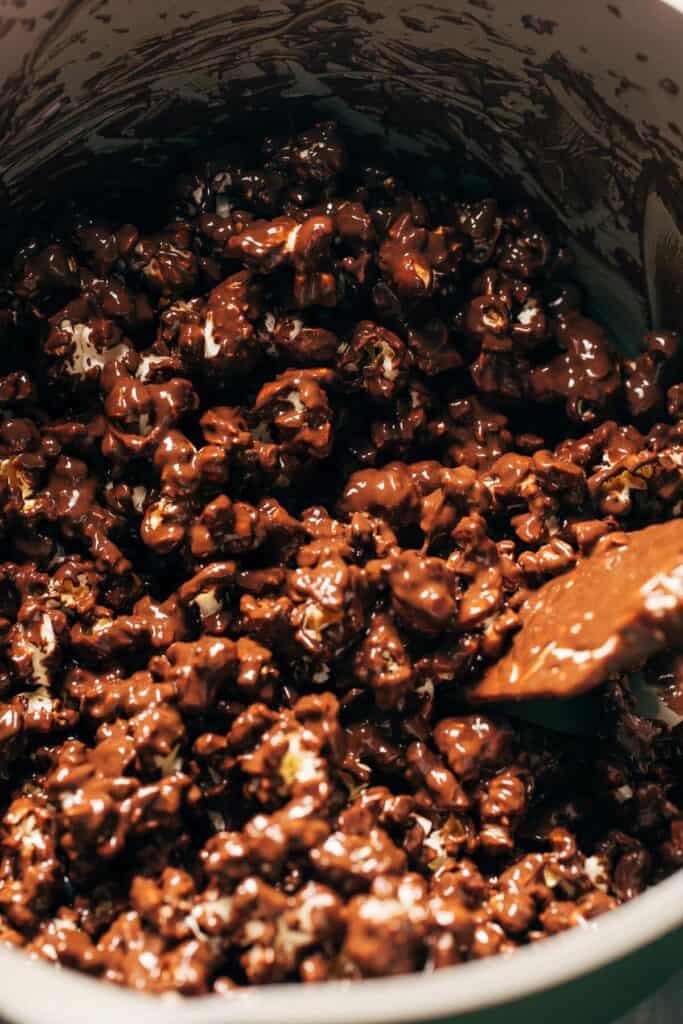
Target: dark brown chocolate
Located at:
point(279, 481)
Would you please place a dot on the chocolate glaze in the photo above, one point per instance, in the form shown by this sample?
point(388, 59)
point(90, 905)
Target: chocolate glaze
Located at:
point(279, 480)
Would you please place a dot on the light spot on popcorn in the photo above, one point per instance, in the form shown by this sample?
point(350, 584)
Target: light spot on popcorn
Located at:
point(298, 763)
point(595, 869)
point(145, 425)
point(295, 401)
point(550, 878)
point(211, 346)
point(85, 355)
point(39, 653)
point(39, 702)
point(527, 313)
point(217, 820)
point(207, 603)
point(31, 836)
point(138, 495)
point(147, 364)
point(169, 763)
point(223, 206)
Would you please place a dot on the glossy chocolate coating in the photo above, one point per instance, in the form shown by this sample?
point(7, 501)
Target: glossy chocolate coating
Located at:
point(279, 480)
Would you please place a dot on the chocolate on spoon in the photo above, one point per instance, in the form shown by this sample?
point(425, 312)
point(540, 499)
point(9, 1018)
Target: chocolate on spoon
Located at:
point(610, 614)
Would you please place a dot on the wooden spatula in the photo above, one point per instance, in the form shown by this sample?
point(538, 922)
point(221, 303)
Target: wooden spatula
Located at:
point(607, 616)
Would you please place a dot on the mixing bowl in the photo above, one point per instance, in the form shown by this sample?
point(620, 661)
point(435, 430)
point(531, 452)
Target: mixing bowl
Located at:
point(577, 105)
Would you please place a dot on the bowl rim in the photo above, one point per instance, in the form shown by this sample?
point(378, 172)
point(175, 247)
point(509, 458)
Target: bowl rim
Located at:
point(33, 992)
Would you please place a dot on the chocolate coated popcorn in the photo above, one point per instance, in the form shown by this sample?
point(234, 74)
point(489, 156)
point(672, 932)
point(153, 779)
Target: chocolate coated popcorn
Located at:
point(282, 483)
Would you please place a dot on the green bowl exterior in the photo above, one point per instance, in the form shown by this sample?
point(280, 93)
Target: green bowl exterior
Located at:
point(601, 997)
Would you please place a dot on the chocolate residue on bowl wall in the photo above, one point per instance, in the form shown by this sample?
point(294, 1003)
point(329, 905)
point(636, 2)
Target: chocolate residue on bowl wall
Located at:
point(499, 89)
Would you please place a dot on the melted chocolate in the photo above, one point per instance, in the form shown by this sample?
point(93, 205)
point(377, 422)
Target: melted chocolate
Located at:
point(279, 482)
